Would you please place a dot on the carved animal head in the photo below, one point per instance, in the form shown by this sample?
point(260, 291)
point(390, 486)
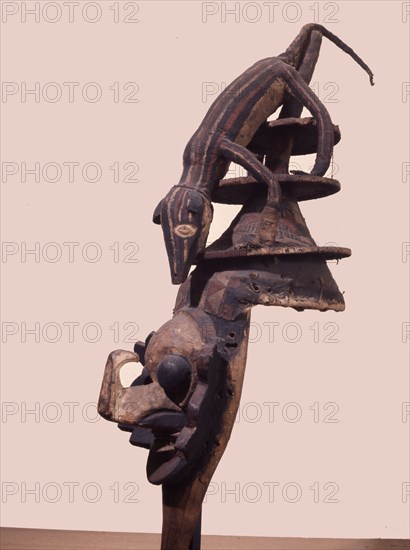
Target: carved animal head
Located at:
point(175, 406)
point(183, 359)
point(185, 216)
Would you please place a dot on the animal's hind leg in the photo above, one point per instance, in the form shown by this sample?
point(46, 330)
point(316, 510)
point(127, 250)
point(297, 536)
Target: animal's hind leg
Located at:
point(301, 92)
point(303, 53)
point(278, 155)
point(292, 107)
point(278, 159)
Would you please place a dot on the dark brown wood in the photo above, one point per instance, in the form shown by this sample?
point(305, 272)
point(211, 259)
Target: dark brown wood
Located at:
point(225, 135)
point(300, 187)
point(292, 235)
point(188, 393)
point(304, 133)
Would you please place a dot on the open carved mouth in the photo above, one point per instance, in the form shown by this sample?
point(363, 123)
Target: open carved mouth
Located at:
point(178, 440)
point(165, 460)
point(179, 435)
point(160, 432)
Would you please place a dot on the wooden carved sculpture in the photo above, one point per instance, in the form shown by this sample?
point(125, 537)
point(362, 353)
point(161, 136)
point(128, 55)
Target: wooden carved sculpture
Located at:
point(183, 405)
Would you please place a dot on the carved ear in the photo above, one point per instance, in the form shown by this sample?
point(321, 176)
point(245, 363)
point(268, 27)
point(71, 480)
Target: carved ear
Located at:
point(156, 217)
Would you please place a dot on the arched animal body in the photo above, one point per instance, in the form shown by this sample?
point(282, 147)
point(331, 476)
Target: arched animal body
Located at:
point(231, 122)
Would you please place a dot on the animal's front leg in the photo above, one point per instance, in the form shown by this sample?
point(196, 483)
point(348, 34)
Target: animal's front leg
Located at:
point(270, 215)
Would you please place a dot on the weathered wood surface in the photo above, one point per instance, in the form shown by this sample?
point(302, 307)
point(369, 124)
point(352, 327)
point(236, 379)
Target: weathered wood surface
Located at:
point(292, 235)
point(303, 131)
point(235, 118)
point(129, 405)
point(300, 187)
point(50, 539)
point(182, 502)
point(188, 393)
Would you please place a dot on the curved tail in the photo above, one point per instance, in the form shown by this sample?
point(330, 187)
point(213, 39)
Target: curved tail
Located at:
point(294, 53)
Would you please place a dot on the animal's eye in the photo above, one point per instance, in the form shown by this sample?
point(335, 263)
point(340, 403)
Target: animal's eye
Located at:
point(185, 230)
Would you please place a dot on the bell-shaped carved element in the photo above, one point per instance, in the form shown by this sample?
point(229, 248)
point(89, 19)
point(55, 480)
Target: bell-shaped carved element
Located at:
point(292, 235)
point(291, 265)
point(292, 280)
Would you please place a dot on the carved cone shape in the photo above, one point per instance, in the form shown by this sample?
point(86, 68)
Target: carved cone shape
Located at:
point(292, 236)
point(292, 267)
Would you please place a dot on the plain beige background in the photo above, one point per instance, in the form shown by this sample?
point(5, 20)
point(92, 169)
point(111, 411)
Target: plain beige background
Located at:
point(336, 383)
